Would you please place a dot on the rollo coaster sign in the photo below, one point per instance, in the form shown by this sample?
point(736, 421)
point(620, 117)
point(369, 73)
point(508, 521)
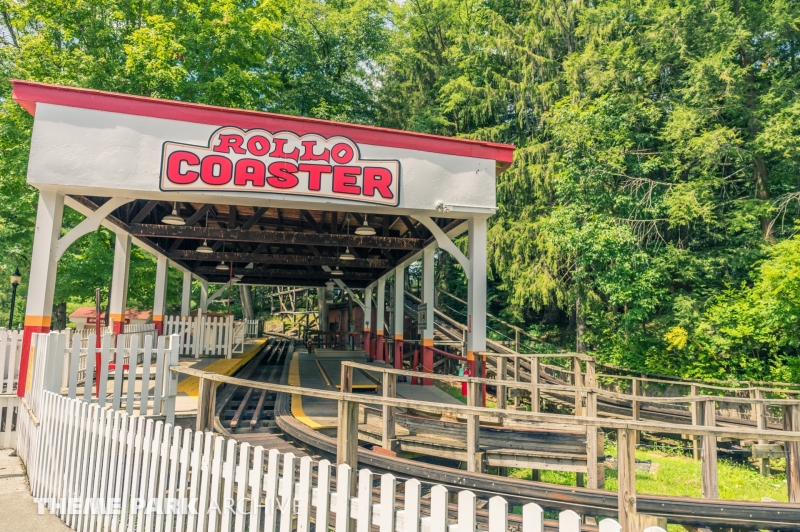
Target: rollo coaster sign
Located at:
point(259, 161)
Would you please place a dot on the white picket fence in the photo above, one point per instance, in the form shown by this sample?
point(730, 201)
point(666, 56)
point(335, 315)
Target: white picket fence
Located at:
point(9, 407)
point(10, 350)
point(119, 346)
point(160, 477)
point(202, 335)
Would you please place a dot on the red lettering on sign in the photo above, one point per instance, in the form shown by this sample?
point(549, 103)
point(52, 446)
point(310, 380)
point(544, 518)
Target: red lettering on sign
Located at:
point(309, 155)
point(379, 179)
point(282, 175)
point(315, 172)
point(230, 142)
point(251, 170)
point(342, 153)
point(280, 144)
point(174, 173)
point(258, 145)
point(216, 170)
point(345, 178)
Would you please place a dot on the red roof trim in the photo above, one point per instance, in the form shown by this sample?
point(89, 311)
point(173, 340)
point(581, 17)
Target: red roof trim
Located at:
point(29, 93)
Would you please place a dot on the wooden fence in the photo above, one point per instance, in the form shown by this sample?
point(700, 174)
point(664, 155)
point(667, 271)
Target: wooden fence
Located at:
point(202, 335)
point(156, 476)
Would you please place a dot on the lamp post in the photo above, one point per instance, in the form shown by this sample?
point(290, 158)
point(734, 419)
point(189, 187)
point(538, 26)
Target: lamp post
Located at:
point(16, 278)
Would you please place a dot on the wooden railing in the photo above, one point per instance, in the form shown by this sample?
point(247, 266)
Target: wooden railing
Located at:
point(200, 481)
point(627, 430)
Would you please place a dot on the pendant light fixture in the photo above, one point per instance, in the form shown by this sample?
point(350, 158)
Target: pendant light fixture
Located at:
point(347, 255)
point(365, 229)
point(337, 272)
point(174, 218)
point(205, 248)
point(222, 265)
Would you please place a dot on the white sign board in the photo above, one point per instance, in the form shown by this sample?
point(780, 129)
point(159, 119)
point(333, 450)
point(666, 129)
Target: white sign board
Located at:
point(260, 161)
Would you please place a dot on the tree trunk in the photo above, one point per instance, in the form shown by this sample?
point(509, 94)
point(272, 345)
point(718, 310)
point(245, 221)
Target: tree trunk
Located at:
point(580, 327)
point(59, 320)
point(247, 302)
point(762, 193)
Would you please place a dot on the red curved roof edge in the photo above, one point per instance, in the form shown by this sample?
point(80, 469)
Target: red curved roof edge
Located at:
point(28, 93)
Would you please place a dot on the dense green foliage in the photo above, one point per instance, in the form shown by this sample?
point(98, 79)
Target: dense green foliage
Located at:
point(659, 149)
point(653, 199)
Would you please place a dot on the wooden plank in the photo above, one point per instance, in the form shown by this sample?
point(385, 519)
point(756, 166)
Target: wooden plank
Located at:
point(474, 458)
point(239, 411)
point(209, 443)
point(323, 495)
point(303, 496)
point(502, 376)
point(466, 511)
point(440, 408)
point(144, 211)
point(626, 479)
point(697, 416)
point(184, 461)
point(411, 513)
point(791, 422)
point(259, 212)
point(388, 419)
point(708, 461)
point(388, 503)
point(276, 237)
point(278, 259)
point(345, 481)
point(147, 358)
point(242, 482)
point(364, 516)
point(761, 424)
point(535, 375)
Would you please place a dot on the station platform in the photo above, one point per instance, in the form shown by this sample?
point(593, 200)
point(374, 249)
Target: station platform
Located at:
point(322, 370)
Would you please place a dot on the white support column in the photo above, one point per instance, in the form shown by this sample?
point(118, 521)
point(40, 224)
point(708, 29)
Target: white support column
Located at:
point(476, 313)
point(426, 333)
point(203, 296)
point(186, 296)
point(118, 298)
point(399, 298)
point(160, 295)
point(380, 321)
point(42, 283)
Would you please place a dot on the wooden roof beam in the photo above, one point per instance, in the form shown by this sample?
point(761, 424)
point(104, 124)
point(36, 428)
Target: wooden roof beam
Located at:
point(294, 260)
point(275, 237)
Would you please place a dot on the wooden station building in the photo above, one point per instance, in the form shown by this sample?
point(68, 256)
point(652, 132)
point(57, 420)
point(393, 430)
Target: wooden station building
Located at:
point(232, 196)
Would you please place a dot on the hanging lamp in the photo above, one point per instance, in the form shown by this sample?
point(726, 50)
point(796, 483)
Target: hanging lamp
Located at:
point(205, 248)
point(174, 218)
point(365, 229)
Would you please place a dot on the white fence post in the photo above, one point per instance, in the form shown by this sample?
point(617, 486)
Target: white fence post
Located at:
point(81, 451)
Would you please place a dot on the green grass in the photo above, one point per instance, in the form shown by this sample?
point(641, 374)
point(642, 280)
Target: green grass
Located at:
point(675, 473)
point(679, 475)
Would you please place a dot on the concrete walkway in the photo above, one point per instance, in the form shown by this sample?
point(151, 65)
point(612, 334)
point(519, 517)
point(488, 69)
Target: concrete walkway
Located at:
point(18, 512)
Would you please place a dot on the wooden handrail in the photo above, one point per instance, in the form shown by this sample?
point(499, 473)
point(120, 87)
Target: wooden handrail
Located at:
point(569, 388)
point(442, 408)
